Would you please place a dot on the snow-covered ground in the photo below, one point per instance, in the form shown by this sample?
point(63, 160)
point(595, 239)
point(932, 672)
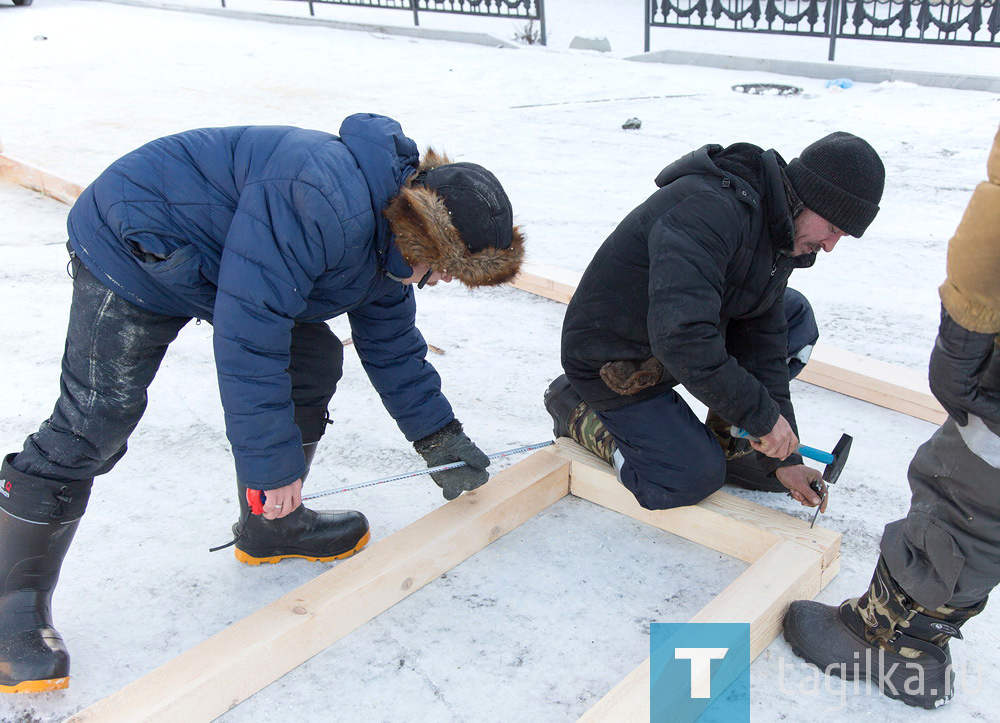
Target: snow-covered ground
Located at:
point(545, 621)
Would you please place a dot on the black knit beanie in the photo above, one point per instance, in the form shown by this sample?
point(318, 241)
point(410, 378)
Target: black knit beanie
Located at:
point(478, 205)
point(840, 177)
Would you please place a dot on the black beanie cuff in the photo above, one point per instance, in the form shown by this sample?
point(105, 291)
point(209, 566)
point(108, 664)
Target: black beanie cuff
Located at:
point(850, 214)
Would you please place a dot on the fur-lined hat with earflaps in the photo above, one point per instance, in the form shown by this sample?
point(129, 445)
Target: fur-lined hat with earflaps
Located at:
point(457, 219)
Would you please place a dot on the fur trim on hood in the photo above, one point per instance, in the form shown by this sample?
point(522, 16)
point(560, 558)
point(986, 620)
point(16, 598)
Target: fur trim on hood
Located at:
point(425, 234)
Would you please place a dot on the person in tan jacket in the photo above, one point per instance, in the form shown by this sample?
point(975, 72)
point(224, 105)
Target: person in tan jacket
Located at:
point(938, 564)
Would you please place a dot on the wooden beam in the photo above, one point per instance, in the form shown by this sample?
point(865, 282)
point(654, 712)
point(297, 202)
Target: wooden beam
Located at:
point(887, 385)
point(870, 380)
point(732, 525)
point(37, 179)
point(759, 596)
point(551, 282)
point(789, 561)
point(229, 667)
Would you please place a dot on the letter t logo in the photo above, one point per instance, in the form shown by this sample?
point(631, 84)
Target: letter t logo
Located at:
point(701, 667)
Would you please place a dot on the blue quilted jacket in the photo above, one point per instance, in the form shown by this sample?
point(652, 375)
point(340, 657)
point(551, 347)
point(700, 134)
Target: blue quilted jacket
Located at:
point(254, 228)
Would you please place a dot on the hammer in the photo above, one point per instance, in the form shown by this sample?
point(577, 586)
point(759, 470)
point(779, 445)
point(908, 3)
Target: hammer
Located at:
point(834, 462)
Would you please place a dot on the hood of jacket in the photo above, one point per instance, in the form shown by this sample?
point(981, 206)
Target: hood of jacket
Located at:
point(387, 159)
point(759, 175)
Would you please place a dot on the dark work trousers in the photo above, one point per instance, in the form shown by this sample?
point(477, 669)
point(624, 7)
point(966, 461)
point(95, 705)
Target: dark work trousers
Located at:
point(671, 459)
point(113, 351)
point(946, 551)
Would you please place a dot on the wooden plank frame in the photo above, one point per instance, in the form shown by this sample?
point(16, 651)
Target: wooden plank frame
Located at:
point(788, 561)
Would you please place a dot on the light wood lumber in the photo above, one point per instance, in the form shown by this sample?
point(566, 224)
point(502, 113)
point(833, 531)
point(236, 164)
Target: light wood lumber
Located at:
point(216, 675)
point(551, 282)
point(870, 380)
point(723, 522)
point(37, 179)
point(887, 385)
point(759, 596)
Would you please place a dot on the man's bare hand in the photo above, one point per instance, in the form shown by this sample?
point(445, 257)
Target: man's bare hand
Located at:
point(283, 500)
point(797, 478)
point(779, 442)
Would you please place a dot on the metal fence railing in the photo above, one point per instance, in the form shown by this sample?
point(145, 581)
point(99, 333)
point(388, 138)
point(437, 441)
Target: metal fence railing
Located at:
point(950, 22)
point(528, 10)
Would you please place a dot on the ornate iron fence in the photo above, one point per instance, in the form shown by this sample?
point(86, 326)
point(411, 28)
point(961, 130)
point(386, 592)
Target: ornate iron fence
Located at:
point(526, 9)
point(951, 22)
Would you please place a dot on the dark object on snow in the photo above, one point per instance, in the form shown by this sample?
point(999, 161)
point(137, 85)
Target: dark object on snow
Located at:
point(632, 124)
point(22, 2)
point(766, 89)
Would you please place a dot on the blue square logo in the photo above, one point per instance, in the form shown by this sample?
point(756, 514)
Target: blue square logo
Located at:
point(699, 671)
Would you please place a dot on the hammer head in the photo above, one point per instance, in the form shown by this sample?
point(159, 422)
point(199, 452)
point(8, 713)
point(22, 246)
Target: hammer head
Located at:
point(843, 448)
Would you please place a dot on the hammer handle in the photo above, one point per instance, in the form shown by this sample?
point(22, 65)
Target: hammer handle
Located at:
point(816, 454)
point(806, 451)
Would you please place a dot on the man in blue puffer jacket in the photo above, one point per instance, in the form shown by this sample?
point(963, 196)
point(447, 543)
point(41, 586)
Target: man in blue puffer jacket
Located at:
point(265, 232)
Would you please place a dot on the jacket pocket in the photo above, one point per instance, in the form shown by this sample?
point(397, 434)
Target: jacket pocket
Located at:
point(180, 271)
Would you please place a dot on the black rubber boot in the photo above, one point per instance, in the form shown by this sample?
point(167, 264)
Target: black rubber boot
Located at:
point(745, 472)
point(898, 646)
point(305, 533)
point(572, 417)
point(742, 467)
point(33, 657)
point(560, 400)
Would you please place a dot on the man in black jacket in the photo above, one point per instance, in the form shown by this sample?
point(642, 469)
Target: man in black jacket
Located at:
point(689, 289)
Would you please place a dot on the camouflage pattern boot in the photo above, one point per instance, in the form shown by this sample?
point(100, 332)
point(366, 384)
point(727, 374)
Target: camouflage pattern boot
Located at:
point(742, 467)
point(573, 418)
point(898, 645)
point(589, 431)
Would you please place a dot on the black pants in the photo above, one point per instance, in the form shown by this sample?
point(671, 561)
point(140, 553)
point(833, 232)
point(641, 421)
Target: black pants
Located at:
point(113, 351)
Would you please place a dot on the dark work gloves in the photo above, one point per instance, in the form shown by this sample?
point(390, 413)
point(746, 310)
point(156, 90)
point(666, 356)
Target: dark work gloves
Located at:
point(957, 364)
point(450, 444)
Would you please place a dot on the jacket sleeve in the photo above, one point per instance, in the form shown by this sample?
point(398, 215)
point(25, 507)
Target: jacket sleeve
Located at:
point(393, 354)
point(689, 250)
point(760, 345)
point(971, 294)
point(275, 249)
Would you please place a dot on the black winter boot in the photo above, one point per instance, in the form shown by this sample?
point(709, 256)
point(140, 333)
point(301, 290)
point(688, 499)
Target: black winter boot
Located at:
point(305, 533)
point(560, 398)
point(33, 657)
point(742, 467)
point(572, 417)
point(883, 637)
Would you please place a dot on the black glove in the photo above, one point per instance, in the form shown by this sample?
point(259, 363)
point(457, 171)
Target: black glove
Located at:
point(450, 444)
point(957, 363)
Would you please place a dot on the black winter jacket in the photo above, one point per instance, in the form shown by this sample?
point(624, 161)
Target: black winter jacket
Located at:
point(694, 277)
